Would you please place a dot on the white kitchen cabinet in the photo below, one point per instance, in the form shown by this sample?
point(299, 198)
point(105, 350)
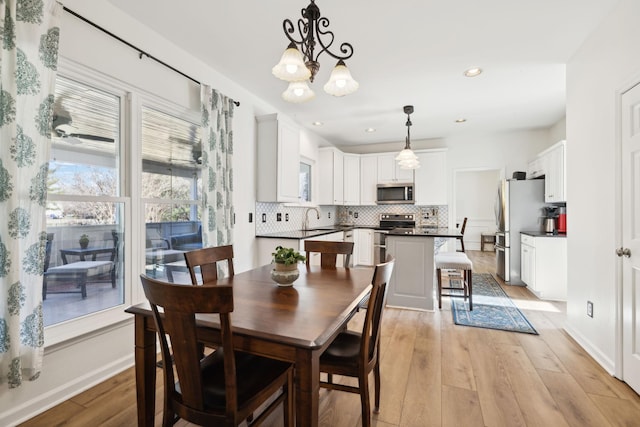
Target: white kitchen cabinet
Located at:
point(368, 179)
point(535, 168)
point(331, 176)
point(279, 166)
point(351, 178)
point(363, 247)
point(544, 266)
point(431, 178)
point(554, 184)
point(389, 171)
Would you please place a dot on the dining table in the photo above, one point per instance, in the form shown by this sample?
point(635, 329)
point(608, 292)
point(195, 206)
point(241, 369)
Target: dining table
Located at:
point(290, 323)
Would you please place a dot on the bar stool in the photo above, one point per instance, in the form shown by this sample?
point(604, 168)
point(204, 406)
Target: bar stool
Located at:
point(455, 261)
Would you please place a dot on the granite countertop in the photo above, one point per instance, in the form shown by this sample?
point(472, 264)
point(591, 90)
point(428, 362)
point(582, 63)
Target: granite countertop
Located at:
point(320, 231)
point(542, 234)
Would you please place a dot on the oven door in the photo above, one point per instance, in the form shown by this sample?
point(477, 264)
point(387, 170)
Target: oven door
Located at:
point(379, 246)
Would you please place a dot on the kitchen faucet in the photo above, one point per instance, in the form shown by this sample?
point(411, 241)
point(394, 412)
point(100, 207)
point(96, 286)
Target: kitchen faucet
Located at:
point(305, 219)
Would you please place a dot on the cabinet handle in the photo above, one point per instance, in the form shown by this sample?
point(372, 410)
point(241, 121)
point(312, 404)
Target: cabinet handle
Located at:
point(623, 252)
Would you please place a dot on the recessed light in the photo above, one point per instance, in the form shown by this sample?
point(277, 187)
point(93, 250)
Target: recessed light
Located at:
point(461, 120)
point(369, 130)
point(317, 123)
point(473, 72)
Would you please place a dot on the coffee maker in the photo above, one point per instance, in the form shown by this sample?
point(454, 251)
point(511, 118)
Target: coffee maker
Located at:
point(549, 222)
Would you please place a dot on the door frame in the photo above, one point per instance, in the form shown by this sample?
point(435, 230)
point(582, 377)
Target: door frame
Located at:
point(619, 288)
point(453, 202)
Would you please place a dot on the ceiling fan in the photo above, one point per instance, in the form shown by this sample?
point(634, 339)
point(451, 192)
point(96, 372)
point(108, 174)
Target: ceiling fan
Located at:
point(63, 127)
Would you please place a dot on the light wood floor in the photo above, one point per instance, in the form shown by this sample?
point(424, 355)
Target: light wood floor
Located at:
point(435, 373)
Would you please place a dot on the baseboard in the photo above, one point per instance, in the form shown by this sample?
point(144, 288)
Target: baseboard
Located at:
point(51, 398)
point(601, 359)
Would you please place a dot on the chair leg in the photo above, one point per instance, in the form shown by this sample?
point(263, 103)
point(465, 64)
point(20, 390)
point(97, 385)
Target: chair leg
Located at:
point(363, 381)
point(470, 286)
point(288, 404)
point(376, 379)
point(439, 276)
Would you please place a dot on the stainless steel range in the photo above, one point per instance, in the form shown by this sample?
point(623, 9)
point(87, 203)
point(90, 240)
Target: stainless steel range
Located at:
point(399, 223)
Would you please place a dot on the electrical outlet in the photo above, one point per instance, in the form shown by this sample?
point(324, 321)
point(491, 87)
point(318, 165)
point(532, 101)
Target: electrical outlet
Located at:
point(264, 217)
point(329, 215)
point(278, 216)
point(355, 214)
point(286, 217)
point(589, 309)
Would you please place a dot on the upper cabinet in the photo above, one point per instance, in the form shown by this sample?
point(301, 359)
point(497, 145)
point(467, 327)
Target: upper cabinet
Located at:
point(331, 174)
point(555, 183)
point(551, 164)
point(390, 172)
point(368, 179)
point(279, 159)
point(351, 179)
point(431, 178)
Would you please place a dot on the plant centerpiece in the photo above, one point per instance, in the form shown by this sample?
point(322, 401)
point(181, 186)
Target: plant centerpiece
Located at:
point(84, 241)
point(286, 265)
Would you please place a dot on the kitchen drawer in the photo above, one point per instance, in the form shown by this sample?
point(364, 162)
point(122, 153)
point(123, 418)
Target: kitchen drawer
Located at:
point(525, 239)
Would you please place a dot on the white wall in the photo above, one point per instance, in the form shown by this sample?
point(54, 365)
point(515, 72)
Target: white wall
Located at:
point(75, 365)
point(607, 62)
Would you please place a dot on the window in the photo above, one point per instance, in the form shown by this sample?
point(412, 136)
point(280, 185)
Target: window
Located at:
point(305, 182)
point(171, 189)
point(84, 201)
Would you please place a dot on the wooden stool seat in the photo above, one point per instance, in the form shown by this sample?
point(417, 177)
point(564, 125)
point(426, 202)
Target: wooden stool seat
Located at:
point(460, 262)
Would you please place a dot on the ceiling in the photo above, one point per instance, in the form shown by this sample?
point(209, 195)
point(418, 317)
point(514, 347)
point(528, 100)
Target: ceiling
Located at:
point(407, 52)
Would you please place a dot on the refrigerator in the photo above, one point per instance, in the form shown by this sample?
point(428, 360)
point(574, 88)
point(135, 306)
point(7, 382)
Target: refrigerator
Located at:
point(519, 207)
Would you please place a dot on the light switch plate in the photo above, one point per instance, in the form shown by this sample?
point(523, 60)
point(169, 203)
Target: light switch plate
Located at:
point(589, 309)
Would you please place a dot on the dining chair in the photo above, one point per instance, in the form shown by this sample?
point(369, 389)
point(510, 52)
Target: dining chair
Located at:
point(224, 388)
point(354, 354)
point(206, 260)
point(329, 252)
point(461, 237)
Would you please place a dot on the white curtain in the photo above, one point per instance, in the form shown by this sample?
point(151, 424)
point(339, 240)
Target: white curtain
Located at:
point(29, 36)
point(217, 168)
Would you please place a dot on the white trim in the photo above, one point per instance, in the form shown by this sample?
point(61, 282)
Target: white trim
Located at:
point(593, 351)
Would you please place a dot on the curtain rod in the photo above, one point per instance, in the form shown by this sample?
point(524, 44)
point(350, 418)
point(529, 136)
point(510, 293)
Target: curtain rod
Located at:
point(141, 52)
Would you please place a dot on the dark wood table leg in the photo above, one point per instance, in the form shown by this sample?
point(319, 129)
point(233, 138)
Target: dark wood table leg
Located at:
point(307, 388)
point(145, 362)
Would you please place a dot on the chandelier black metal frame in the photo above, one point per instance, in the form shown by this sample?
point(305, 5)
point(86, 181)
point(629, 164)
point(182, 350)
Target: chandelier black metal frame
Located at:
point(312, 27)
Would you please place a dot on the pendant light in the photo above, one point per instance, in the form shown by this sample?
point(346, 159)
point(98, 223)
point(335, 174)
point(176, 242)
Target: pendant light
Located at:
point(407, 159)
point(299, 63)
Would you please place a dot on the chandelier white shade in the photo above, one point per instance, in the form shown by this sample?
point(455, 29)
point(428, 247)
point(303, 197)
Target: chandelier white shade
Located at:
point(298, 92)
point(291, 67)
point(340, 82)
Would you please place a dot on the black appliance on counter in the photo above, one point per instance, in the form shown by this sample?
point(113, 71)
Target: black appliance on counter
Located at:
point(388, 222)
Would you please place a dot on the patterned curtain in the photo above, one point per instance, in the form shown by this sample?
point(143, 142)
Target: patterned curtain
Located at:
point(29, 35)
point(217, 168)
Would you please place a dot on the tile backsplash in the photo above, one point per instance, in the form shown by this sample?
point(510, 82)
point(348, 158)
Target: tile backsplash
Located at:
point(331, 215)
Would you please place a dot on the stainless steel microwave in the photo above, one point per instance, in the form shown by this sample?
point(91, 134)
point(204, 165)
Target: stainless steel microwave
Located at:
point(395, 194)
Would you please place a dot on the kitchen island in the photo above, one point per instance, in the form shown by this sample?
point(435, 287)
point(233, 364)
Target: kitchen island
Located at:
point(412, 282)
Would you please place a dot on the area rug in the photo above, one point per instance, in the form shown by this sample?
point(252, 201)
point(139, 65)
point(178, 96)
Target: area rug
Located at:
point(492, 308)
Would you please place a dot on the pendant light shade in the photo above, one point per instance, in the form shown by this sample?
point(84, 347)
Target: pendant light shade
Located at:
point(298, 92)
point(291, 67)
point(340, 82)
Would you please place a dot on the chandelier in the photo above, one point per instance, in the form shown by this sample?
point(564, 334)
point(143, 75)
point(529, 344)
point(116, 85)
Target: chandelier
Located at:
point(300, 66)
point(407, 159)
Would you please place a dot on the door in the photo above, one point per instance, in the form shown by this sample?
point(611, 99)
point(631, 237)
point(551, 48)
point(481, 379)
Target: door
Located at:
point(630, 251)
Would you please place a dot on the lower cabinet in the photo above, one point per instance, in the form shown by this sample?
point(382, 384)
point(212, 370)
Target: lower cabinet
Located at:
point(363, 247)
point(315, 257)
point(267, 245)
point(543, 263)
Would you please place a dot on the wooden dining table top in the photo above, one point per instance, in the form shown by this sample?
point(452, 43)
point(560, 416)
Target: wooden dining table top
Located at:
point(304, 315)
